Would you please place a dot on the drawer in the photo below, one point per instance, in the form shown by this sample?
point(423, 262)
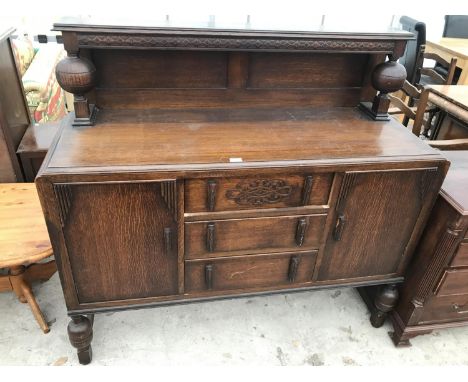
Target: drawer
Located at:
point(255, 271)
point(454, 281)
point(228, 194)
point(446, 308)
point(241, 236)
point(461, 256)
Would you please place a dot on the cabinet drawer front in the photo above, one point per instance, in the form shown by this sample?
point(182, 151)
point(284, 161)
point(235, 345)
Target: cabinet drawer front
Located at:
point(446, 308)
point(254, 271)
point(229, 194)
point(241, 236)
point(461, 257)
point(453, 282)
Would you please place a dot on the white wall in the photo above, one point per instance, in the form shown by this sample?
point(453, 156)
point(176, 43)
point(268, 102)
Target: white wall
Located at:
point(36, 16)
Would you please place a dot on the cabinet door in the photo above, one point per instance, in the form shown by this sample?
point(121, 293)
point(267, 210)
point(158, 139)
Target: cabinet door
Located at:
point(376, 213)
point(121, 238)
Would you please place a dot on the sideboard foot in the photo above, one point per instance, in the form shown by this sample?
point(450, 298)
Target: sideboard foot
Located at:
point(384, 302)
point(80, 333)
point(380, 300)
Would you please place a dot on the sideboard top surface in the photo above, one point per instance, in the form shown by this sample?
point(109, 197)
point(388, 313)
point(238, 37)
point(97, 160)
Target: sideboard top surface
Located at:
point(214, 27)
point(197, 138)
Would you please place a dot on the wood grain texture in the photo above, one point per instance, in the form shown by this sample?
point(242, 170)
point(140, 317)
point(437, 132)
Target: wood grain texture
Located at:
point(385, 212)
point(117, 260)
point(135, 140)
point(461, 257)
point(159, 69)
point(453, 282)
point(241, 236)
point(23, 232)
point(269, 70)
point(257, 192)
point(249, 272)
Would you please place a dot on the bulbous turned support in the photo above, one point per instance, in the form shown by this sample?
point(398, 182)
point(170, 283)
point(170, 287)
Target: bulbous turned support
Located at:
point(80, 333)
point(385, 300)
point(387, 77)
point(77, 75)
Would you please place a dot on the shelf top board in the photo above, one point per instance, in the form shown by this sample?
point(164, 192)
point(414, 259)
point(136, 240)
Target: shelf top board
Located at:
point(197, 139)
point(455, 184)
point(285, 28)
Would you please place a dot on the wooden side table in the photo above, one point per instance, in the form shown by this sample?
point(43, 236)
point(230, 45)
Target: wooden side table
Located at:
point(24, 242)
point(34, 146)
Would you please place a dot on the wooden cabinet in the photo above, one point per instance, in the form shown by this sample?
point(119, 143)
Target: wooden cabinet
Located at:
point(435, 294)
point(201, 164)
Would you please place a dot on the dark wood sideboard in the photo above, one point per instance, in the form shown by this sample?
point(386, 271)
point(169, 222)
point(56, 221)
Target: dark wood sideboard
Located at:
point(208, 163)
point(435, 294)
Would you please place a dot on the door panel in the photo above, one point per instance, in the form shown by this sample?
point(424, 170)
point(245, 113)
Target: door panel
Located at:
point(121, 239)
point(375, 216)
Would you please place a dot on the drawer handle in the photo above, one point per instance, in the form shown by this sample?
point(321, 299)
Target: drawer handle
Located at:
point(293, 265)
point(300, 231)
point(338, 231)
point(168, 240)
point(209, 276)
point(457, 308)
point(211, 198)
point(307, 189)
point(210, 237)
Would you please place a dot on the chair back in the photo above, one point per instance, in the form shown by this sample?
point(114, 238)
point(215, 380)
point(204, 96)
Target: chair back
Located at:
point(456, 26)
point(410, 57)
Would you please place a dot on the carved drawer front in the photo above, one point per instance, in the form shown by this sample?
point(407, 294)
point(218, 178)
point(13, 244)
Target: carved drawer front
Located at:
point(454, 281)
point(257, 271)
point(461, 257)
point(228, 194)
point(241, 236)
point(445, 308)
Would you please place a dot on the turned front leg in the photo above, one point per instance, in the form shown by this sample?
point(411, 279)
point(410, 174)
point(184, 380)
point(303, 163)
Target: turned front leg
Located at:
point(384, 301)
point(80, 333)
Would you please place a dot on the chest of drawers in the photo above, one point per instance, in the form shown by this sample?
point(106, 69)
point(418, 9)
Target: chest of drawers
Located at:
point(435, 295)
point(205, 163)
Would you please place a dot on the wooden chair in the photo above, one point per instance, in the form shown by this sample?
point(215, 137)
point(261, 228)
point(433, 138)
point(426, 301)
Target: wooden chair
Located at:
point(23, 242)
point(407, 99)
point(404, 105)
point(429, 75)
point(410, 57)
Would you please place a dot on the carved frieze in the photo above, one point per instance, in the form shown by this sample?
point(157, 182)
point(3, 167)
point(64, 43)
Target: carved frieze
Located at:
point(248, 43)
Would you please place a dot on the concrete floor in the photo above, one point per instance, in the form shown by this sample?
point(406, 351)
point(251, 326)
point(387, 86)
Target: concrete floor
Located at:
point(308, 328)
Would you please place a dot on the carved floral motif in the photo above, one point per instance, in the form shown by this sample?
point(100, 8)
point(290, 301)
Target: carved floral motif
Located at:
point(128, 40)
point(259, 192)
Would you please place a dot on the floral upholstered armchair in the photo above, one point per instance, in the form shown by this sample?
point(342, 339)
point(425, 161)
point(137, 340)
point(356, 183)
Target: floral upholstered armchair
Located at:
point(46, 99)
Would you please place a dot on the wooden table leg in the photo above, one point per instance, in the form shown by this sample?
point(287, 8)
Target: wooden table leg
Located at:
point(22, 288)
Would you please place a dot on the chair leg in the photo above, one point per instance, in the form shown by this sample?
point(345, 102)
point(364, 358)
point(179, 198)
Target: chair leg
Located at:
point(20, 284)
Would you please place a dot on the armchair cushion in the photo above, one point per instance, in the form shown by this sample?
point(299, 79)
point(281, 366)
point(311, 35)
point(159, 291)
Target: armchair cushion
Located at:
point(45, 97)
point(24, 53)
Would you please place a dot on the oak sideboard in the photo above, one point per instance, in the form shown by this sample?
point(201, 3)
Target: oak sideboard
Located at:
point(205, 163)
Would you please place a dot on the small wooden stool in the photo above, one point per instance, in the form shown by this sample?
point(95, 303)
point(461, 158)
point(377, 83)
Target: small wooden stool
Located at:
point(23, 242)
